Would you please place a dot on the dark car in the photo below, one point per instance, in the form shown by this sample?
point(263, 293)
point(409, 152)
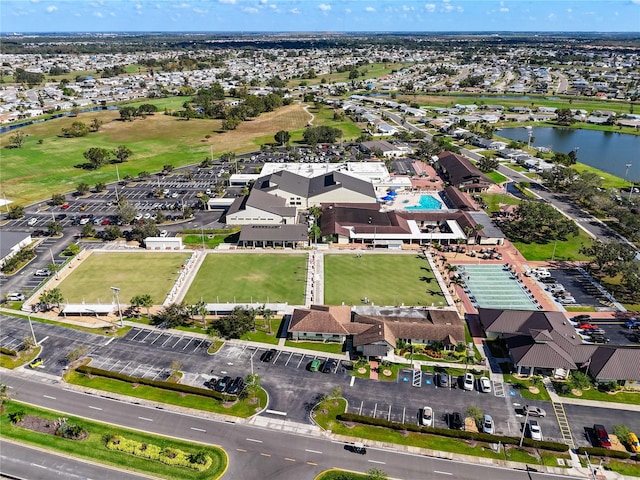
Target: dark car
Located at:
point(222, 384)
point(443, 380)
point(602, 436)
point(236, 386)
point(268, 355)
point(329, 365)
point(633, 324)
point(600, 339)
point(455, 421)
point(548, 280)
point(582, 318)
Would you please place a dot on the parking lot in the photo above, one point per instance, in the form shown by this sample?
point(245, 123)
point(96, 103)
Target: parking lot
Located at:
point(580, 287)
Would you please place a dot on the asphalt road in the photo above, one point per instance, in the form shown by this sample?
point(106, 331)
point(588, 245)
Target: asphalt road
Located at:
point(25, 462)
point(254, 452)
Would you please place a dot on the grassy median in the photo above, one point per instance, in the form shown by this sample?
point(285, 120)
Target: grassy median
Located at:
point(93, 446)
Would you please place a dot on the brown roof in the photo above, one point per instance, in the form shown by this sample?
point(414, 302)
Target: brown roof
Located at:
point(459, 199)
point(609, 363)
point(460, 170)
point(321, 319)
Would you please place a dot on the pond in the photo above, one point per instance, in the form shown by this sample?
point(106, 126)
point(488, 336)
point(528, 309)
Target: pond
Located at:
point(611, 152)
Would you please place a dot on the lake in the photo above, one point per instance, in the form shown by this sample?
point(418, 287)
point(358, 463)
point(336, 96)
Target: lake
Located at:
point(608, 151)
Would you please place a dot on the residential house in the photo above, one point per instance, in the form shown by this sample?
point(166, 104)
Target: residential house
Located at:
point(461, 173)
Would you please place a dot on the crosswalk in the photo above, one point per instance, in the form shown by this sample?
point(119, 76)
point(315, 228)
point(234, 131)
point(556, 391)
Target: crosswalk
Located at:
point(565, 429)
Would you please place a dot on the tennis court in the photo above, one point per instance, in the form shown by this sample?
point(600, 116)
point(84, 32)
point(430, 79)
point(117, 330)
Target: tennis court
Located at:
point(493, 286)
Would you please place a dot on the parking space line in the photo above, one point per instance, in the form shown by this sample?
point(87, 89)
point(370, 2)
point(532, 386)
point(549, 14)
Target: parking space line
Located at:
point(198, 345)
point(377, 461)
point(146, 336)
point(178, 341)
point(123, 368)
point(290, 459)
point(361, 405)
point(170, 336)
point(389, 415)
point(404, 409)
point(139, 331)
point(265, 454)
point(198, 429)
point(288, 359)
point(301, 359)
point(155, 339)
point(375, 409)
point(277, 356)
point(312, 451)
point(189, 342)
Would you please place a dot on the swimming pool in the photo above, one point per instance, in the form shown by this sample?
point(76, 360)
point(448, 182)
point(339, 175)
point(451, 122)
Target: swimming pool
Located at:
point(490, 286)
point(427, 202)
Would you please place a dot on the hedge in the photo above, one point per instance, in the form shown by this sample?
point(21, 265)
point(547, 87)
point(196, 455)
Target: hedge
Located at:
point(8, 351)
point(603, 452)
point(178, 387)
point(446, 432)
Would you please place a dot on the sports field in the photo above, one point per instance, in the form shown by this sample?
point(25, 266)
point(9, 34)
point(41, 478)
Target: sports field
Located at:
point(385, 279)
point(276, 278)
point(132, 273)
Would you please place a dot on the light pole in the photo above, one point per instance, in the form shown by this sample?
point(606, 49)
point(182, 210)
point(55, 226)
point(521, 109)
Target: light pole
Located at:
point(116, 292)
point(35, 342)
point(626, 177)
point(524, 427)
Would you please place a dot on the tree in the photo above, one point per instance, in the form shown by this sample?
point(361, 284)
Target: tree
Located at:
point(322, 134)
point(267, 315)
point(128, 113)
point(608, 256)
point(200, 308)
point(121, 154)
point(57, 199)
point(83, 188)
point(377, 474)
point(100, 187)
point(167, 169)
point(4, 397)
point(487, 164)
point(564, 116)
point(231, 123)
point(579, 380)
point(88, 230)
point(173, 315)
point(538, 222)
point(51, 297)
point(77, 129)
point(15, 212)
point(631, 276)
point(54, 228)
point(144, 229)
point(282, 137)
point(236, 324)
point(143, 300)
point(17, 140)
point(622, 432)
point(76, 353)
point(111, 232)
point(97, 157)
point(126, 212)
point(475, 413)
point(95, 125)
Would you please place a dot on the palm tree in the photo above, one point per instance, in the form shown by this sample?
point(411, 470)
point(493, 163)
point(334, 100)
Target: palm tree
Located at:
point(200, 308)
point(267, 315)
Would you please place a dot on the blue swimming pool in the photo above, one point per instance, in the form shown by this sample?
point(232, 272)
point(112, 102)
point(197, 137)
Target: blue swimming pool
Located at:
point(427, 202)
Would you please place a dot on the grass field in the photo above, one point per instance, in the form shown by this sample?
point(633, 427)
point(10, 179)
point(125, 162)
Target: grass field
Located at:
point(37, 170)
point(384, 279)
point(133, 273)
point(250, 277)
point(564, 250)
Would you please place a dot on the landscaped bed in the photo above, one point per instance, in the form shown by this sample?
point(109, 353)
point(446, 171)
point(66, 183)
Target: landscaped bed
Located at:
point(89, 439)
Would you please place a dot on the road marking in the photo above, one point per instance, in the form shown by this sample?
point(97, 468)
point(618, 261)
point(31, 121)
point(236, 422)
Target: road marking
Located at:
point(276, 412)
point(147, 419)
point(39, 466)
point(109, 341)
point(288, 359)
point(312, 451)
point(95, 408)
point(241, 449)
point(376, 461)
point(442, 473)
point(289, 459)
point(253, 440)
point(353, 380)
point(43, 340)
point(49, 397)
point(265, 454)
point(311, 463)
point(300, 362)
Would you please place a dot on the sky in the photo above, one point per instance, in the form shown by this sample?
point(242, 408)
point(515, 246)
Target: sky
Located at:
point(319, 15)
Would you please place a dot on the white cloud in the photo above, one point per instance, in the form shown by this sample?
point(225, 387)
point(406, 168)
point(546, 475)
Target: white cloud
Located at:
point(200, 11)
point(98, 14)
point(569, 10)
point(637, 2)
point(250, 10)
point(324, 7)
point(138, 6)
point(51, 8)
point(112, 14)
point(459, 9)
point(430, 7)
point(406, 8)
point(504, 9)
point(551, 16)
point(449, 8)
point(35, 1)
point(369, 9)
point(232, 2)
point(295, 11)
point(347, 10)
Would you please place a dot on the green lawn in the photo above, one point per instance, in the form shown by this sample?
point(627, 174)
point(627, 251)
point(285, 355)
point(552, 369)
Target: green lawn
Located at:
point(496, 177)
point(385, 279)
point(262, 334)
point(564, 250)
point(523, 388)
point(594, 394)
point(331, 347)
point(93, 447)
point(245, 277)
point(243, 409)
point(494, 200)
point(337, 474)
point(134, 273)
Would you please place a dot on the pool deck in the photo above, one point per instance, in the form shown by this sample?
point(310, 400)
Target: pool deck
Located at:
point(406, 199)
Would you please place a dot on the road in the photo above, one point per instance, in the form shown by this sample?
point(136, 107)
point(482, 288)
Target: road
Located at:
point(254, 452)
point(21, 461)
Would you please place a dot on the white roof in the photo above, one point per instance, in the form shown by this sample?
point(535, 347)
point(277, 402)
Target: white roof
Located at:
point(368, 171)
point(89, 308)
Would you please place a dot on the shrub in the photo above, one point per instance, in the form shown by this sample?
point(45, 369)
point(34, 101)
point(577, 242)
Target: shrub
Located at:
point(17, 417)
point(603, 452)
point(7, 351)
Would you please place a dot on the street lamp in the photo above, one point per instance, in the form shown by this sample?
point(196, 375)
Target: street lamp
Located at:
point(626, 177)
point(524, 428)
point(116, 292)
point(35, 342)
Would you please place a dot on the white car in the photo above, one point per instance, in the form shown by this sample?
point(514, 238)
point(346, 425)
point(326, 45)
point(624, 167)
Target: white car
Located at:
point(32, 221)
point(164, 233)
point(485, 385)
point(426, 416)
point(468, 381)
point(42, 273)
point(535, 432)
point(488, 425)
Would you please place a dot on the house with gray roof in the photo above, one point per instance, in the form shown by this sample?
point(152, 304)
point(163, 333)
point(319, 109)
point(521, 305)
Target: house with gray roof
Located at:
point(11, 243)
point(260, 208)
point(294, 236)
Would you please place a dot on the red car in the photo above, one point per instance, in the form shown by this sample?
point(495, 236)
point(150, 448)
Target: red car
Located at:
point(588, 326)
point(106, 222)
point(64, 206)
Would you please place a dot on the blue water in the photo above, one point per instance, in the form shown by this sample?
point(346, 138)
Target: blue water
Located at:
point(427, 202)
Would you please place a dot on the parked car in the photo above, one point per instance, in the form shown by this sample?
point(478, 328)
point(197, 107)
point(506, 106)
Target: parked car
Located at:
point(222, 384)
point(443, 380)
point(485, 385)
point(268, 355)
point(634, 444)
point(236, 386)
point(583, 318)
point(455, 421)
point(426, 416)
point(534, 411)
point(468, 381)
point(600, 339)
point(32, 221)
point(315, 366)
point(357, 447)
point(633, 324)
point(43, 272)
point(36, 362)
point(15, 297)
point(535, 432)
point(567, 300)
point(588, 326)
point(488, 425)
point(64, 206)
point(602, 436)
point(329, 365)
